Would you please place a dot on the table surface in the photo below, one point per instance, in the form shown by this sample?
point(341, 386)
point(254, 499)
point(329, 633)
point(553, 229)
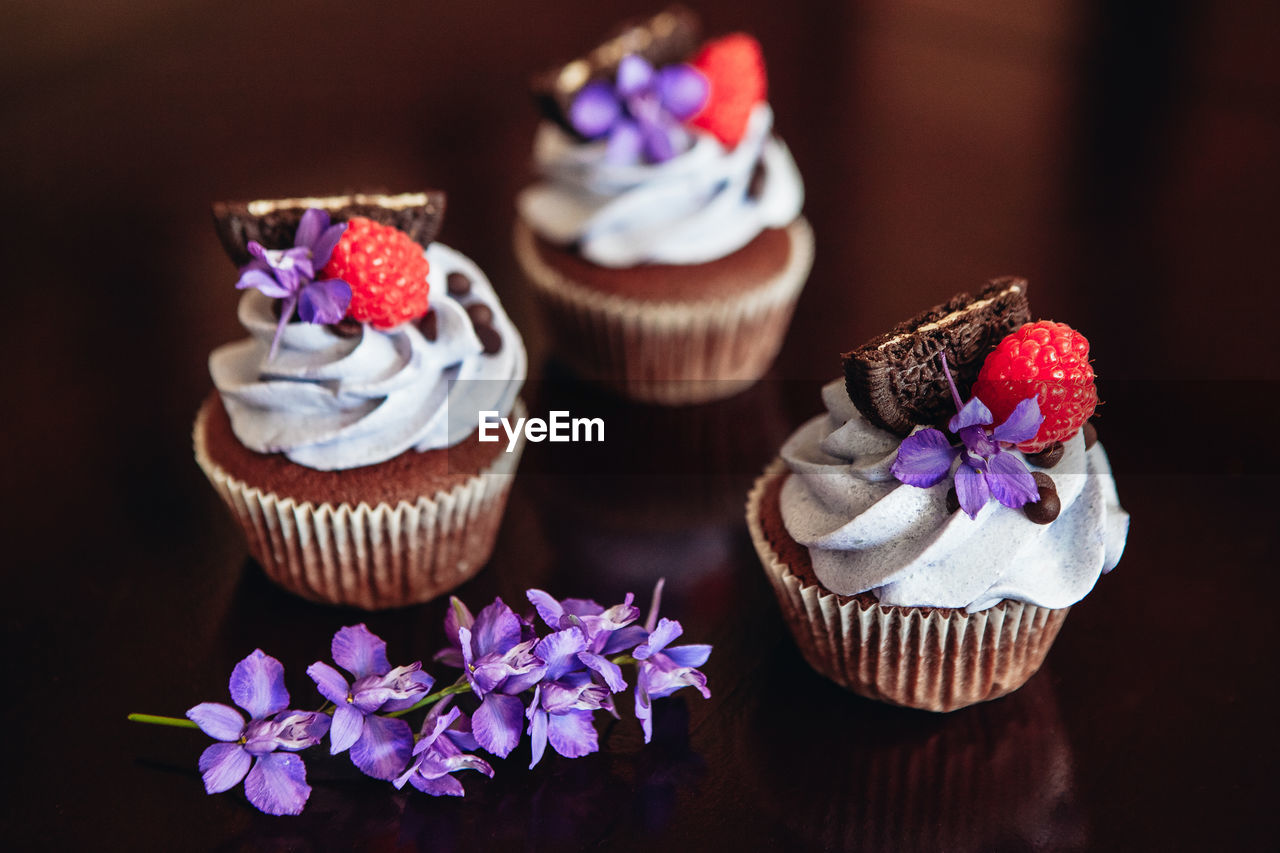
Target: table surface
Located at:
point(1124, 162)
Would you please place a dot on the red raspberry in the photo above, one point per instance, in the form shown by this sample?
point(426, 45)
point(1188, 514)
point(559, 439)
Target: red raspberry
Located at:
point(1051, 361)
point(734, 66)
point(386, 270)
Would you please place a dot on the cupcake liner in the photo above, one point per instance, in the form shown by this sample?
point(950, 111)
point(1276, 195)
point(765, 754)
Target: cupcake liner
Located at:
point(366, 556)
point(669, 352)
point(935, 659)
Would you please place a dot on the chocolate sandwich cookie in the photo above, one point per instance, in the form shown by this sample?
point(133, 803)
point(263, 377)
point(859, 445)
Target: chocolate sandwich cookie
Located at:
point(896, 380)
point(273, 222)
point(669, 36)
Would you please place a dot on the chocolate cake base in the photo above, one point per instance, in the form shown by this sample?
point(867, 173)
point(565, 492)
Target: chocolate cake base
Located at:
point(935, 659)
point(665, 333)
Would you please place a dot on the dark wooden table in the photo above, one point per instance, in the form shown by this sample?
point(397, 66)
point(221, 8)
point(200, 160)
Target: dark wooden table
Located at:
point(1124, 161)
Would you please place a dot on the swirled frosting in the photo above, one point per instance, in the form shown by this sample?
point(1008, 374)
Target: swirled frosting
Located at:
point(867, 532)
point(331, 402)
point(691, 209)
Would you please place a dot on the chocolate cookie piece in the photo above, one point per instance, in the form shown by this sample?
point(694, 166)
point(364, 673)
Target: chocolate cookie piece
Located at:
point(896, 380)
point(273, 222)
point(669, 36)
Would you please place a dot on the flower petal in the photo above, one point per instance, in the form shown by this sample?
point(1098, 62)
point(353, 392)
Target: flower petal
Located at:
point(496, 724)
point(924, 458)
point(635, 74)
point(974, 412)
point(624, 638)
point(971, 489)
point(348, 724)
point(1022, 424)
point(651, 621)
point(277, 784)
point(441, 786)
point(223, 765)
point(644, 710)
point(682, 89)
point(692, 655)
point(625, 143)
point(218, 721)
point(329, 682)
point(359, 651)
point(323, 248)
point(257, 685)
point(384, 747)
point(537, 734)
point(548, 608)
point(665, 631)
point(264, 281)
point(310, 227)
point(559, 651)
point(1010, 482)
point(324, 301)
point(594, 110)
point(572, 735)
point(607, 669)
point(496, 629)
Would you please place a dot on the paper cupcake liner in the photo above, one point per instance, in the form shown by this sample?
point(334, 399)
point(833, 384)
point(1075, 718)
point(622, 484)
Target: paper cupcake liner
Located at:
point(935, 659)
point(672, 353)
point(373, 557)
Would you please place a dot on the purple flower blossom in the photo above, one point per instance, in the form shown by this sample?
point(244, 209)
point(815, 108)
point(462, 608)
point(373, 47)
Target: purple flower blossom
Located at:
point(565, 698)
point(663, 669)
point(988, 469)
point(440, 752)
point(380, 746)
point(605, 631)
point(287, 274)
point(642, 111)
point(274, 781)
point(499, 663)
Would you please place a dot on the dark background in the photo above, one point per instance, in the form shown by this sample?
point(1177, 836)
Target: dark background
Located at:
point(1125, 158)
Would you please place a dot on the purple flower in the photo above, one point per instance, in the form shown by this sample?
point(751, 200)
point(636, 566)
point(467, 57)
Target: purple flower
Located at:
point(605, 631)
point(380, 746)
point(277, 782)
point(642, 111)
point(287, 274)
point(500, 664)
point(565, 698)
point(988, 469)
point(663, 669)
point(440, 752)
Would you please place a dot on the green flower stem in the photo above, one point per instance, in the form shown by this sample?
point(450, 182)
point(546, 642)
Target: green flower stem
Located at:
point(623, 660)
point(461, 686)
point(153, 720)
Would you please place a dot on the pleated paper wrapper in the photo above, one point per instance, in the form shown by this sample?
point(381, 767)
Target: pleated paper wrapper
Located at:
point(673, 353)
point(935, 659)
point(373, 557)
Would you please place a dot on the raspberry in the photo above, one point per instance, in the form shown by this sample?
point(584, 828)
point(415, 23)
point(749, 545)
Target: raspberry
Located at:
point(1051, 361)
point(386, 270)
point(734, 66)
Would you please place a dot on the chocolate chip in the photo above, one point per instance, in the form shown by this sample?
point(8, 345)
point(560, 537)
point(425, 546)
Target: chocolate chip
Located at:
point(1090, 434)
point(1044, 482)
point(429, 325)
point(490, 338)
point(1046, 509)
point(1048, 457)
point(953, 500)
point(480, 314)
point(345, 328)
point(755, 188)
point(458, 284)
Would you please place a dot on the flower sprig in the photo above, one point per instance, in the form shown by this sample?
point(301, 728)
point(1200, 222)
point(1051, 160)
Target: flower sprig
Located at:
point(547, 686)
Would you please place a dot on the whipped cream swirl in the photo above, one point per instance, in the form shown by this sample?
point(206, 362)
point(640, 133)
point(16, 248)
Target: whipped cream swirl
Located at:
point(866, 531)
point(691, 209)
point(330, 402)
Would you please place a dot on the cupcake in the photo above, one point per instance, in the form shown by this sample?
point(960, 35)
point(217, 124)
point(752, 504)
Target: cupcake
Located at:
point(928, 534)
point(663, 236)
point(342, 432)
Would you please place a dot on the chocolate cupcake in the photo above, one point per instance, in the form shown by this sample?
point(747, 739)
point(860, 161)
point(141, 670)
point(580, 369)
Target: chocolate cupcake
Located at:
point(342, 433)
point(933, 567)
point(664, 237)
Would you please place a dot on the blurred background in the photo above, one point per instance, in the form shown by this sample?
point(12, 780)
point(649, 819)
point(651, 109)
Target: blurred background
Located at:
point(1124, 157)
